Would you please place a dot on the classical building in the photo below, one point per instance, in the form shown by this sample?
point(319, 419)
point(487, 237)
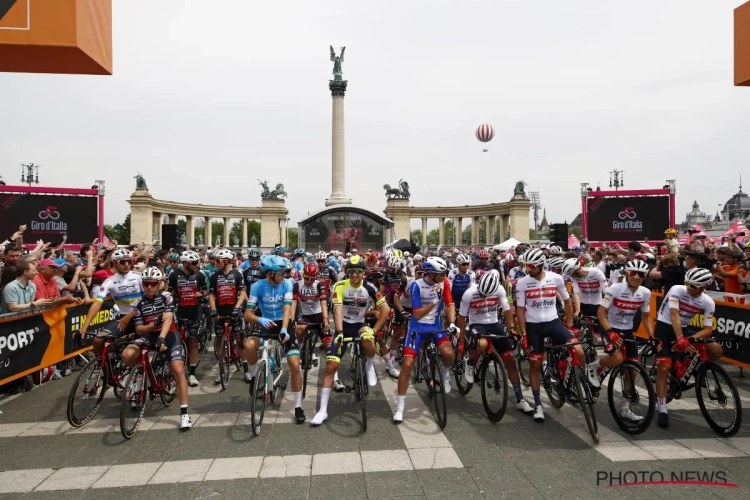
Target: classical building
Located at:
point(736, 207)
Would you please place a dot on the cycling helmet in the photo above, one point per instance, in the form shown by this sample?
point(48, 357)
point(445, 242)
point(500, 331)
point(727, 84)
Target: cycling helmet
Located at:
point(418, 257)
point(355, 262)
point(276, 264)
point(174, 257)
point(321, 255)
point(310, 271)
point(374, 274)
point(418, 269)
point(556, 262)
point(489, 283)
point(435, 265)
point(152, 274)
point(279, 249)
point(556, 250)
point(224, 253)
point(406, 254)
point(509, 258)
point(121, 253)
point(462, 259)
point(398, 253)
point(299, 251)
point(483, 254)
point(253, 253)
point(189, 256)
point(636, 265)
point(671, 231)
point(534, 257)
point(394, 262)
point(699, 277)
point(288, 264)
point(570, 266)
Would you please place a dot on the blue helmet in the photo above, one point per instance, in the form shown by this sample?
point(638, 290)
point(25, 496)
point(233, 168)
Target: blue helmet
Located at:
point(299, 251)
point(274, 263)
point(279, 249)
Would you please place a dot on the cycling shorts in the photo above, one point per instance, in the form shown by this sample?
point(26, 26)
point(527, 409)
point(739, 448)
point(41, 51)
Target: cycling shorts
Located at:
point(665, 333)
point(631, 350)
point(336, 352)
point(415, 339)
point(235, 325)
point(536, 333)
point(397, 320)
point(291, 348)
point(592, 310)
point(174, 352)
point(192, 330)
point(474, 333)
point(317, 319)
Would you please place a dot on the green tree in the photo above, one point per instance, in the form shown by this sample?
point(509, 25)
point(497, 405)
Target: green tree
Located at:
point(292, 239)
point(119, 232)
point(416, 235)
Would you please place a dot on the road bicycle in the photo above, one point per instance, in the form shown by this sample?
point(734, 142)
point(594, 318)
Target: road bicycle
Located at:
point(266, 384)
point(490, 372)
point(204, 336)
point(718, 398)
point(357, 374)
point(313, 331)
point(429, 368)
point(587, 326)
point(151, 377)
point(229, 352)
point(96, 376)
point(564, 379)
point(521, 356)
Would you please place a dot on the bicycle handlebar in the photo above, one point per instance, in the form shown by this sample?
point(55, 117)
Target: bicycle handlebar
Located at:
point(567, 345)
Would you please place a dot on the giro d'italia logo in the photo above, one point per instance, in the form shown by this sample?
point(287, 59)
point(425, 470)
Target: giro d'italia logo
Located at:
point(15, 14)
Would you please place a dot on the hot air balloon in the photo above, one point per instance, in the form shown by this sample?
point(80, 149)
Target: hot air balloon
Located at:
point(485, 133)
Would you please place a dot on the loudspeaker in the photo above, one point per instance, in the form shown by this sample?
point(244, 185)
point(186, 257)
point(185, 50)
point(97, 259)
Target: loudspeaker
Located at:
point(558, 234)
point(170, 236)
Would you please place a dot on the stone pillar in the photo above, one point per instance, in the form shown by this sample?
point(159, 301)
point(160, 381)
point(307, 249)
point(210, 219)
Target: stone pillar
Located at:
point(490, 230)
point(474, 231)
point(190, 230)
point(270, 225)
point(398, 212)
point(207, 233)
point(244, 235)
point(282, 231)
point(506, 227)
point(338, 163)
point(141, 217)
point(424, 230)
point(441, 236)
point(156, 224)
point(519, 219)
point(172, 218)
point(225, 237)
point(459, 231)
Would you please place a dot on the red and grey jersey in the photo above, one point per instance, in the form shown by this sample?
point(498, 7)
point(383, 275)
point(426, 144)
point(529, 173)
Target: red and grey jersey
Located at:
point(591, 287)
point(679, 298)
point(622, 303)
point(308, 297)
point(149, 311)
point(185, 288)
point(480, 310)
point(226, 288)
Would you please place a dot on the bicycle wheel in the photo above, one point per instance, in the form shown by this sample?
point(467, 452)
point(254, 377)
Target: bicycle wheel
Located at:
point(636, 394)
point(273, 390)
point(203, 342)
point(553, 386)
point(459, 364)
point(133, 403)
point(167, 383)
point(363, 388)
point(438, 387)
point(225, 355)
point(586, 402)
point(88, 391)
point(494, 379)
point(258, 399)
point(416, 372)
point(522, 361)
point(305, 356)
point(722, 395)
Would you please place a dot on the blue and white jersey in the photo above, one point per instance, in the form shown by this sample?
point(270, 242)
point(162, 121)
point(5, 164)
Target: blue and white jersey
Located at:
point(460, 283)
point(271, 299)
point(422, 293)
point(125, 289)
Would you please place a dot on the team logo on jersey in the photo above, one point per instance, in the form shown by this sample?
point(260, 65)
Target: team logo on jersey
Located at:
point(627, 304)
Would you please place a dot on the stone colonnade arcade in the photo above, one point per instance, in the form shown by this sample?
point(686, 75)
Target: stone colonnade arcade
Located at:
point(147, 213)
point(513, 217)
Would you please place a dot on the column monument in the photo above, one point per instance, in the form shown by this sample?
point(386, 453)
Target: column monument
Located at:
point(337, 86)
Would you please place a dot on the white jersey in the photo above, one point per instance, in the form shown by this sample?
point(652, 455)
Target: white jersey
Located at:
point(125, 289)
point(679, 298)
point(591, 287)
point(602, 266)
point(479, 310)
point(622, 304)
point(539, 297)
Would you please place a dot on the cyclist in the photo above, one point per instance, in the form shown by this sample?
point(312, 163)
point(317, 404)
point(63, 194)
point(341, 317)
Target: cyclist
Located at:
point(396, 280)
point(187, 285)
point(253, 272)
point(619, 305)
point(274, 296)
point(429, 296)
point(537, 317)
point(154, 325)
point(461, 279)
point(351, 299)
point(480, 306)
point(226, 293)
point(680, 305)
point(310, 303)
point(174, 262)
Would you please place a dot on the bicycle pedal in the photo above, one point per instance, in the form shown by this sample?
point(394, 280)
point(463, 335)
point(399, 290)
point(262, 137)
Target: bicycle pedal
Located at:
point(282, 386)
point(315, 363)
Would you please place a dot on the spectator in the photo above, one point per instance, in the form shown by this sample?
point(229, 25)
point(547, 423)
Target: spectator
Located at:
point(598, 257)
point(19, 294)
point(669, 271)
point(730, 271)
point(46, 285)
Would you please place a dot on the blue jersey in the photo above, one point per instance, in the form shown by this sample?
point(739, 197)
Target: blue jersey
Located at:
point(244, 265)
point(271, 299)
point(460, 283)
point(422, 293)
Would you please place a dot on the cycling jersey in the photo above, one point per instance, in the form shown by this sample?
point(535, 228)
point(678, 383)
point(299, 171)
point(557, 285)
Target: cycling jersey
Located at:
point(394, 281)
point(226, 288)
point(481, 310)
point(590, 287)
point(271, 298)
point(125, 289)
point(460, 283)
point(404, 293)
point(356, 301)
point(185, 287)
point(679, 298)
point(516, 273)
point(149, 311)
point(308, 297)
point(422, 293)
point(539, 297)
point(622, 303)
point(251, 275)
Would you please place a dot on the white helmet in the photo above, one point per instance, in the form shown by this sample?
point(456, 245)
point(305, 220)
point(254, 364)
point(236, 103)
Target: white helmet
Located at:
point(152, 274)
point(417, 257)
point(121, 253)
point(189, 256)
point(570, 266)
point(489, 283)
point(463, 259)
point(636, 265)
point(406, 254)
point(699, 277)
point(509, 257)
point(435, 265)
point(534, 257)
point(394, 262)
point(555, 262)
point(224, 253)
point(321, 255)
point(555, 249)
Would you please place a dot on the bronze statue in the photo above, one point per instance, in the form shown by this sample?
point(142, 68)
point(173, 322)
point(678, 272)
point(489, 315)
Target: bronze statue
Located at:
point(140, 182)
point(267, 194)
point(399, 193)
point(520, 188)
point(337, 60)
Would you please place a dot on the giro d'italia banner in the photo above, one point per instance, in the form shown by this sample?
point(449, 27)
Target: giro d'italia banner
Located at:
point(731, 328)
point(49, 217)
point(30, 343)
point(333, 230)
point(627, 218)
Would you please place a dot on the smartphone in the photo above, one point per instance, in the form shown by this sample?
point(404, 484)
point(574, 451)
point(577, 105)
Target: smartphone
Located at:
point(55, 244)
point(740, 234)
point(22, 227)
point(701, 236)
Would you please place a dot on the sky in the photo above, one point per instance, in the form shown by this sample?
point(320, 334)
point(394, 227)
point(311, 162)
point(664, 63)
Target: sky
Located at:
point(208, 97)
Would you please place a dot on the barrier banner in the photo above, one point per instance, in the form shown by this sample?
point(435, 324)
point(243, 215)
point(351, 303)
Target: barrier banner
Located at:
point(30, 343)
point(731, 328)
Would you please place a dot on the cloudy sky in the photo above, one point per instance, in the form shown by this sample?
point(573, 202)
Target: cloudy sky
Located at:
point(207, 97)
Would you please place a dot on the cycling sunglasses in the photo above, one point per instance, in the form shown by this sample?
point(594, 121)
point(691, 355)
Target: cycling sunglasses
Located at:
point(532, 267)
point(355, 271)
point(150, 284)
point(464, 264)
point(637, 274)
point(693, 287)
point(123, 261)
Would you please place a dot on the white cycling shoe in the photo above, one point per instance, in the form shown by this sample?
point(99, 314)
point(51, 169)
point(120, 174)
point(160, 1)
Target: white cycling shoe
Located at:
point(539, 414)
point(338, 386)
point(192, 381)
point(593, 377)
point(447, 383)
point(468, 373)
point(398, 416)
point(372, 377)
point(524, 406)
point(185, 422)
point(628, 414)
point(393, 372)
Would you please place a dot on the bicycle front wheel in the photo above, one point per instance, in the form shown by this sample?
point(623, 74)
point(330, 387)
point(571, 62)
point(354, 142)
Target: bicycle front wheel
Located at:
point(305, 357)
point(585, 401)
point(167, 383)
point(133, 402)
point(438, 389)
point(636, 398)
point(363, 388)
point(258, 397)
point(718, 399)
point(494, 379)
point(225, 362)
point(522, 361)
point(86, 394)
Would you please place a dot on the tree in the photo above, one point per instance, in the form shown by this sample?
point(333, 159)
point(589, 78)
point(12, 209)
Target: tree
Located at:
point(119, 232)
point(416, 235)
point(293, 238)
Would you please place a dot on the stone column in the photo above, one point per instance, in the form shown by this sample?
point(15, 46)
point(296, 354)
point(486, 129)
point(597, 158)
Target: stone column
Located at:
point(441, 236)
point(474, 231)
point(459, 231)
point(207, 233)
point(424, 230)
point(244, 235)
point(519, 219)
point(190, 230)
point(506, 227)
point(156, 225)
point(141, 217)
point(338, 163)
point(282, 232)
point(398, 212)
point(172, 218)
point(491, 230)
point(225, 237)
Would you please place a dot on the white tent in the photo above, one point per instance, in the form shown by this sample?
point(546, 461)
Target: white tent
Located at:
point(507, 244)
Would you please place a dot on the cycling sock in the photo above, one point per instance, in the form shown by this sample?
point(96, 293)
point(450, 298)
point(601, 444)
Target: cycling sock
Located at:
point(325, 395)
point(369, 364)
point(446, 372)
point(245, 366)
point(392, 352)
point(519, 393)
point(594, 365)
point(335, 376)
point(537, 397)
point(400, 403)
point(192, 369)
point(298, 399)
point(662, 405)
point(183, 409)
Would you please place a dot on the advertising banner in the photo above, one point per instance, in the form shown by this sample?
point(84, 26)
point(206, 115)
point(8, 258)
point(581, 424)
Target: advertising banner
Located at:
point(49, 217)
point(332, 230)
point(627, 218)
point(30, 343)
